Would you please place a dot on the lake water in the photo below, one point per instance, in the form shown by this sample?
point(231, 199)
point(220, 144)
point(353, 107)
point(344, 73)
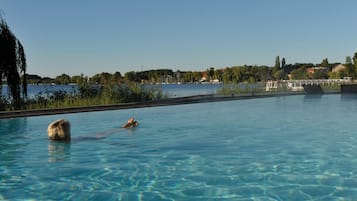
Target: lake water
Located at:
point(280, 148)
point(172, 90)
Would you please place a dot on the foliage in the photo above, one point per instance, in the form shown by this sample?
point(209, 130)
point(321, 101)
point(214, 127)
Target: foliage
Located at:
point(283, 62)
point(277, 63)
point(350, 71)
point(218, 74)
point(33, 79)
point(325, 63)
point(319, 75)
point(12, 64)
point(348, 60)
point(241, 89)
point(355, 62)
point(331, 87)
point(299, 74)
point(337, 75)
point(229, 89)
point(234, 74)
point(63, 79)
point(210, 73)
point(4, 103)
point(89, 95)
point(279, 75)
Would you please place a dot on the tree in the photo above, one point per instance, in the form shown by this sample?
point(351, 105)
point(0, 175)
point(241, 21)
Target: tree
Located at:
point(196, 76)
point(325, 63)
point(105, 78)
point(116, 77)
point(63, 79)
point(283, 63)
point(299, 74)
point(33, 79)
point(348, 60)
point(95, 79)
point(227, 75)
point(210, 73)
point(349, 67)
point(264, 73)
point(12, 63)
point(237, 75)
point(337, 75)
point(218, 74)
point(279, 75)
point(130, 76)
point(320, 74)
point(79, 79)
point(187, 77)
point(355, 61)
point(277, 63)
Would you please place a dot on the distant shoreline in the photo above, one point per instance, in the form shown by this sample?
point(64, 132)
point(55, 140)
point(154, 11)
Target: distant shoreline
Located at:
point(163, 102)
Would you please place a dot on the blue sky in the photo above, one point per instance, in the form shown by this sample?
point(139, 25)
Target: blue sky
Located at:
point(90, 37)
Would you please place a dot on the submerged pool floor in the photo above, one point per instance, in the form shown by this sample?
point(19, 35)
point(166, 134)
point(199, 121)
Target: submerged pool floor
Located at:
point(280, 148)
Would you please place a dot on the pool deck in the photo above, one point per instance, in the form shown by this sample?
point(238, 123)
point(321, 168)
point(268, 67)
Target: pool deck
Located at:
point(163, 102)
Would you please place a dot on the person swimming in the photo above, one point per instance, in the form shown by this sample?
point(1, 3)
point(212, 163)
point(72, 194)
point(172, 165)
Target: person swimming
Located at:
point(60, 130)
point(131, 123)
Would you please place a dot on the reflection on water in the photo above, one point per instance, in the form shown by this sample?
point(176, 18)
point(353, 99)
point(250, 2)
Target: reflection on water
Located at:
point(10, 128)
point(312, 97)
point(12, 139)
point(97, 136)
point(348, 97)
point(59, 151)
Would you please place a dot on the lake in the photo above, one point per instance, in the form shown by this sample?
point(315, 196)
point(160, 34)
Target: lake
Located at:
point(173, 90)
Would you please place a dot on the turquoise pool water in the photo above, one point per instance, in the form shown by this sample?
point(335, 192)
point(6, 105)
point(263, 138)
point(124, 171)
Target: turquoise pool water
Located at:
point(283, 148)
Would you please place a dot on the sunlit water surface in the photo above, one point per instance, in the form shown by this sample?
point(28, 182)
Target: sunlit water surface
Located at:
point(283, 148)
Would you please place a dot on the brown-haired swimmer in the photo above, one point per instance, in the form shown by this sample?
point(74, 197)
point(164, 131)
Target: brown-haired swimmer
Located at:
point(131, 123)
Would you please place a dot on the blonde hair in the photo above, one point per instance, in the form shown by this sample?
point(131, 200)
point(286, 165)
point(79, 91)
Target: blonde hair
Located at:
point(59, 130)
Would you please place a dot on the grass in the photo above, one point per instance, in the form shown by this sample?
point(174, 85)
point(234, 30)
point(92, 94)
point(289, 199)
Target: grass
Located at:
point(247, 89)
point(89, 95)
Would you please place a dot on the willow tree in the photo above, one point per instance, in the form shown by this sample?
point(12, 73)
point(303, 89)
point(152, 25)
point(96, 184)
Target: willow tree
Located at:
point(12, 64)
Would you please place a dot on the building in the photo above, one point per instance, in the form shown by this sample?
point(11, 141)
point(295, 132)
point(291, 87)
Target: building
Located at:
point(338, 68)
point(313, 70)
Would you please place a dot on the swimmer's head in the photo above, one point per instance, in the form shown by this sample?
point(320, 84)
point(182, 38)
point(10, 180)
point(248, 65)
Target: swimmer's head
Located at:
point(59, 130)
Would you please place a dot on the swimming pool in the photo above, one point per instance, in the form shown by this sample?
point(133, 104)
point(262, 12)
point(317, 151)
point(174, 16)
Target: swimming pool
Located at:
point(280, 148)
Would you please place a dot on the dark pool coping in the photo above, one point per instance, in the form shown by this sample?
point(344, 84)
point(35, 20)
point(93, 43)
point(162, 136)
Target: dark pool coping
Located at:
point(163, 102)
